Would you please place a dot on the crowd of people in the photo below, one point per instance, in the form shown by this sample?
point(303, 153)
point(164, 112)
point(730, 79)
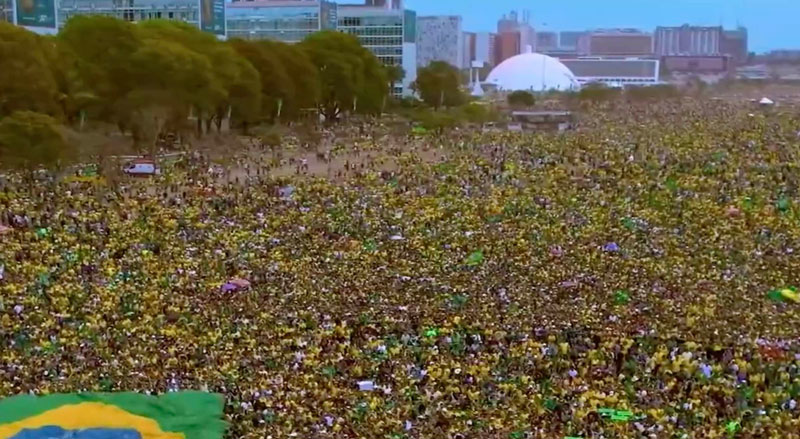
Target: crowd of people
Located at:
point(633, 278)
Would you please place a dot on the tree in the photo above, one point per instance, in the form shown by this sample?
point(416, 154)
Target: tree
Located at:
point(73, 96)
point(351, 77)
point(170, 78)
point(26, 81)
point(30, 140)
point(394, 74)
point(521, 98)
point(276, 87)
point(435, 121)
point(439, 85)
point(103, 48)
point(476, 113)
point(302, 74)
point(234, 81)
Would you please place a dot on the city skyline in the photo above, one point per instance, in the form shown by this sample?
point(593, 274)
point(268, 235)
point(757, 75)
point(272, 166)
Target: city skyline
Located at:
point(771, 23)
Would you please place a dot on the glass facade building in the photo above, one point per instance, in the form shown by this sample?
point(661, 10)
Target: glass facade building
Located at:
point(131, 10)
point(287, 21)
point(380, 30)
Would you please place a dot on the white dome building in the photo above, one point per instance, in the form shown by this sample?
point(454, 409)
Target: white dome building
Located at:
point(532, 72)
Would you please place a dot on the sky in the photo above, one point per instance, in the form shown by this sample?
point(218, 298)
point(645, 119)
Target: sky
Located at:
point(772, 24)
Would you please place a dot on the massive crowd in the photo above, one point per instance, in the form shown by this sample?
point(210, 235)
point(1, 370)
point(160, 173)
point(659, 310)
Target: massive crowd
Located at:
point(633, 278)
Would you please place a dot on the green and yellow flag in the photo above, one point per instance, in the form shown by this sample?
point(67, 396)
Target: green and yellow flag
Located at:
point(181, 415)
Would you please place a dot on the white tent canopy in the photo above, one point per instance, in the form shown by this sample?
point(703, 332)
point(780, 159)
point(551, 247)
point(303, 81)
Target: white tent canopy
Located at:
point(766, 101)
point(532, 72)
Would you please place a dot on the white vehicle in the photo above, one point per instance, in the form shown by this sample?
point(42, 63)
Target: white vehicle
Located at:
point(141, 167)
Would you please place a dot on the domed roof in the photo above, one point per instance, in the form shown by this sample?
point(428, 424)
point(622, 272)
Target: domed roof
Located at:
point(532, 72)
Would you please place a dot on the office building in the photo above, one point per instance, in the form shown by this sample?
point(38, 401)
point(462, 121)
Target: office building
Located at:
point(409, 50)
point(700, 64)
point(469, 49)
point(385, 32)
point(479, 49)
point(616, 42)
point(484, 48)
point(507, 45)
point(186, 11)
point(546, 41)
point(688, 40)
point(440, 38)
point(289, 21)
point(512, 23)
point(734, 44)
point(614, 72)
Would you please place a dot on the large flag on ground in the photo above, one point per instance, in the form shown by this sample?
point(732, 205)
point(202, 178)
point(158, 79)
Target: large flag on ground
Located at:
point(182, 415)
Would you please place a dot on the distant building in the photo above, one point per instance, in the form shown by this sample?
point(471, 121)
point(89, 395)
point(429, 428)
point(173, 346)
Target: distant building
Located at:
point(440, 38)
point(616, 42)
point(512, 24)
point(289, 21)
point(186, 11)
point(701, 64)
point(782, 56)
point(383, 32)
point(485, 48)
point(614, 72)
point(6, 11)
point(469, 49)
point(388, 4)
point(546, 41)
point(507, 45)
point(688, 40)
point(409, 50)
point(568, 40)
point(734, 44)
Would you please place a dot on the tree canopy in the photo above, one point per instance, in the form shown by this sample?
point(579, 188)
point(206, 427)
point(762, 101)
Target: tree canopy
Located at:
point(521, 98)
point(351, 77)
point(26, 81)
point(29, 140)
point(152, 77)
point(438, 85)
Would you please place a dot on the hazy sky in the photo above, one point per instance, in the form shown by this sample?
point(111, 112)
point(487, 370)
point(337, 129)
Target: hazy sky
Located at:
point(773, 24)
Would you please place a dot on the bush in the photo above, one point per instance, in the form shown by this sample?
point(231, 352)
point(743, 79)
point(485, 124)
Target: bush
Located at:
point(521, 98)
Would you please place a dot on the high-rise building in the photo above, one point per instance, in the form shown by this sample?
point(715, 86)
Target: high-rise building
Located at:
point(479, 47)
point(734, 44)
point(546, 41)
point(469, 49)
point(440, 38)
point(688, 40)
point(187, 11)
point(409, 50)
point(383, 32)
point(507, 44)
point(511, 23)
point(289, 21)
point(485, 48)
point(616, 42)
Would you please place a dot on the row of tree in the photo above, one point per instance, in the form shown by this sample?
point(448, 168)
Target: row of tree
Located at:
point(152, 77)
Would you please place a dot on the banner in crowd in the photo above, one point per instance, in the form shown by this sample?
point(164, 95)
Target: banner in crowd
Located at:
point(212, 16)
point(36, 13)
point(180, 415)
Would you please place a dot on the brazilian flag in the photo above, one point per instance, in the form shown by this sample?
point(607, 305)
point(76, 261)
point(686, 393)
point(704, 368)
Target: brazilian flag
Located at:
point(180, 415)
